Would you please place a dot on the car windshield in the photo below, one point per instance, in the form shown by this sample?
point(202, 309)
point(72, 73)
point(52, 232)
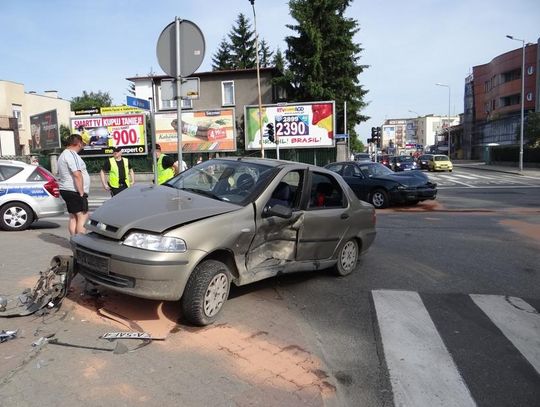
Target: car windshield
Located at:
point(405, 158)
point(225, 180)
point(441, 158)
point(375, 170)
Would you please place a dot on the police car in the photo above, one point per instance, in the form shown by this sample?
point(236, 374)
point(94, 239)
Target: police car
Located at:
point(27, 193)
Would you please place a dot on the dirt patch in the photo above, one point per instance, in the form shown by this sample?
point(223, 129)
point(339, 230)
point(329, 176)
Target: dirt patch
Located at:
point(530, 230)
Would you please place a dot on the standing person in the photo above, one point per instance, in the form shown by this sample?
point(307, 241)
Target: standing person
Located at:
point(166, 166)
point(199, 160)
point(74, 183)
point(121, 175)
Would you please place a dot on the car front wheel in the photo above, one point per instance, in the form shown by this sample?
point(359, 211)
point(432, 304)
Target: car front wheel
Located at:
point(347, 258)
point(206, 291)
point(379, 199)
point(16, 216)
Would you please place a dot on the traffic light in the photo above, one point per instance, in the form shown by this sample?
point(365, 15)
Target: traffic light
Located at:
point(270, 132)
point(378, 132)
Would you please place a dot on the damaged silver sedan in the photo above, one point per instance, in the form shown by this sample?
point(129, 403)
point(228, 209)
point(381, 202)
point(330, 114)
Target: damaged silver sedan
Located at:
point(231, 220)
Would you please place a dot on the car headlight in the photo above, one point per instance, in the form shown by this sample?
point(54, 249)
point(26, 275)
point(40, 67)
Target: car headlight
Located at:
point(398, 164)
point(401, 187)
point(155, 243)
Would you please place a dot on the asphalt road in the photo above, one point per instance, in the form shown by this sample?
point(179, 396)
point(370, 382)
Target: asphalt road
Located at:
point(428, 305)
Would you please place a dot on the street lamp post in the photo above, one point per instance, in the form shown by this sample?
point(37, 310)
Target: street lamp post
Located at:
point(259, 79)
point(522, 100)
point(448, 124)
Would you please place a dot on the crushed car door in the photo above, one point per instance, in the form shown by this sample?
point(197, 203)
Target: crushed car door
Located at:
point(326, 218)
point(276, 237)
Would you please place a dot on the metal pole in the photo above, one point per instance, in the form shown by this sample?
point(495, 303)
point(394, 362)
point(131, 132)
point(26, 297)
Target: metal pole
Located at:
point(153, 124)
point(178, 95)
point(448, 124)
point(345, 130)
point(522, 107)
point(259, 84)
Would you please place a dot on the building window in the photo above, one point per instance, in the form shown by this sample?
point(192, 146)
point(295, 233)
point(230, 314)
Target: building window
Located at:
point(17, 113)
point(167, 103)
point(511, 75)
point(227, 93)
point(510, 100)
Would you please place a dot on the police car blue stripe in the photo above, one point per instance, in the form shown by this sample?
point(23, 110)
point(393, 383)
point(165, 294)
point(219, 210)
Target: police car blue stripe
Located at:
point(35, 191)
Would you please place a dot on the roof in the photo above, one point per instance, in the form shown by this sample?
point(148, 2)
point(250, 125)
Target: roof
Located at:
point(210, 73)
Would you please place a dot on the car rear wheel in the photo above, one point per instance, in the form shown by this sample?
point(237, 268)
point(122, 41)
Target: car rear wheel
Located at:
point(206, 291)
point(347, 258)
point(379, 199)
point(16, 216)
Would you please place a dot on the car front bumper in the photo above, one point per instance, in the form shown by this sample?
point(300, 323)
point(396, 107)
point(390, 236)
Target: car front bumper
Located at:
point(137, 272)
point(412, 195)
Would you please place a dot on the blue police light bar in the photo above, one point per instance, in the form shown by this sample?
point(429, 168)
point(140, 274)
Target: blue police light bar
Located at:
point(136, 102)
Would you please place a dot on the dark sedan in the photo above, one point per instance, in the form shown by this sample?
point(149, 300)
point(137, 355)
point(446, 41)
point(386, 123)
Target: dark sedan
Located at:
point(403, 163)
point(380, 186)
point(423, 161)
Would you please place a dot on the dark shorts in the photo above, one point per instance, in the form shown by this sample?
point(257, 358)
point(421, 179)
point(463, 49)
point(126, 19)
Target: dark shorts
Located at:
point(74, 202)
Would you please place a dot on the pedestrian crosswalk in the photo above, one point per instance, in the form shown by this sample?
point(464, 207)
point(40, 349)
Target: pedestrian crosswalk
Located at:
point(458, 179)
point(460, 350)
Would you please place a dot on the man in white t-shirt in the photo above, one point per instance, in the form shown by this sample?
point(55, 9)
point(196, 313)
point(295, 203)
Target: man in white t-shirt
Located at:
point(74, 184)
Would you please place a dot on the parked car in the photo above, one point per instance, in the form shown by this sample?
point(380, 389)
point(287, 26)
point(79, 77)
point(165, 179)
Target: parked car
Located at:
point(362, 157)
point(27, 193)
point(440, 162)
point(223, 221)
point(380, 186)
point(423, 161)
point(403, 163)
point(384, 160)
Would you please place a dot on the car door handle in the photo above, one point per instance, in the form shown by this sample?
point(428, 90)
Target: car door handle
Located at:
point(344, 216)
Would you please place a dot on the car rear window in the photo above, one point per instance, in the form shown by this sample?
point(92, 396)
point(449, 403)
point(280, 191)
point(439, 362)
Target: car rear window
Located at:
point(8, 171)
point(441, 158)
point(39, 175)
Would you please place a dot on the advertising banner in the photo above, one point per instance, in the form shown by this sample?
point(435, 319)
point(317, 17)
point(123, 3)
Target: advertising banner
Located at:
point(102, 133)
point(202, 131)
point(302, 125)
point(45, 131)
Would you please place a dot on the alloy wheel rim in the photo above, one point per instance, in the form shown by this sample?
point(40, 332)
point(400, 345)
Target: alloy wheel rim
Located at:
point(15, 217)
point(348, 256)
point(378, 199)
point(216, 294)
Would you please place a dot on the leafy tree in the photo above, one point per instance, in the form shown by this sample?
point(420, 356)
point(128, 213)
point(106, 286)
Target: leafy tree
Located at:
point(323, 60)
point(222, 59)
point(531, 133)
point(242, 41)
point(89, 100)
point(265, 54)
point(65, 131)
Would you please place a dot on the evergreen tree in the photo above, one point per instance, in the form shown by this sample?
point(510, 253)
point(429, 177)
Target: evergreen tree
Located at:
point(323, 60)
point(279, 60)
point(265, 54)
point(242, 43)
point(222, 59)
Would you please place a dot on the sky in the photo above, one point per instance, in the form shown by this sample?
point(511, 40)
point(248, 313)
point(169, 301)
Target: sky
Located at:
point(72, 46)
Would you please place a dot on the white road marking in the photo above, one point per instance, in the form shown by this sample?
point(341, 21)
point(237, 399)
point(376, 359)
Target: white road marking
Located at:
point(465, 176)
point(422, 372)
point(517, 320)
point(451, 179)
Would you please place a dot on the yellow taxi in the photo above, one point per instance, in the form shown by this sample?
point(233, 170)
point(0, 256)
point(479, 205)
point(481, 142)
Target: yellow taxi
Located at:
point(440, 162)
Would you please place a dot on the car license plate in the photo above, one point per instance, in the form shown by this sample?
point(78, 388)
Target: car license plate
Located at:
point(93, 261)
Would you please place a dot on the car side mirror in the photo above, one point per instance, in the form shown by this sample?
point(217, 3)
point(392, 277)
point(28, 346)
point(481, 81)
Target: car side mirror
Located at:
point(280, 211)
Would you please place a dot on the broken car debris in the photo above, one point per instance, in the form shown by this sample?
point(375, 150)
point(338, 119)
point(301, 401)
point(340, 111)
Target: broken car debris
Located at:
point(7, 335)
point(49, 291)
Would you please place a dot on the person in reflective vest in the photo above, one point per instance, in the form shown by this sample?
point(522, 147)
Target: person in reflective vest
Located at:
point(166, 166)
point(121, 175)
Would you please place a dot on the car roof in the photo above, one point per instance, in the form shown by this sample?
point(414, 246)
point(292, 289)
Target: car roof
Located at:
point(270, 162)
point(14, 162)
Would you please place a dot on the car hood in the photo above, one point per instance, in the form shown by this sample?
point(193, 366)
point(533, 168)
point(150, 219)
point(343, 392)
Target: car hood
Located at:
point(409, 179)
point(154, 209)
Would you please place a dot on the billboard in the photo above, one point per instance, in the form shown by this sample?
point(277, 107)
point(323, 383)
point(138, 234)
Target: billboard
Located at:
point(102, 133)
point(44, 131)
point(296, 125)
point(202, 131)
